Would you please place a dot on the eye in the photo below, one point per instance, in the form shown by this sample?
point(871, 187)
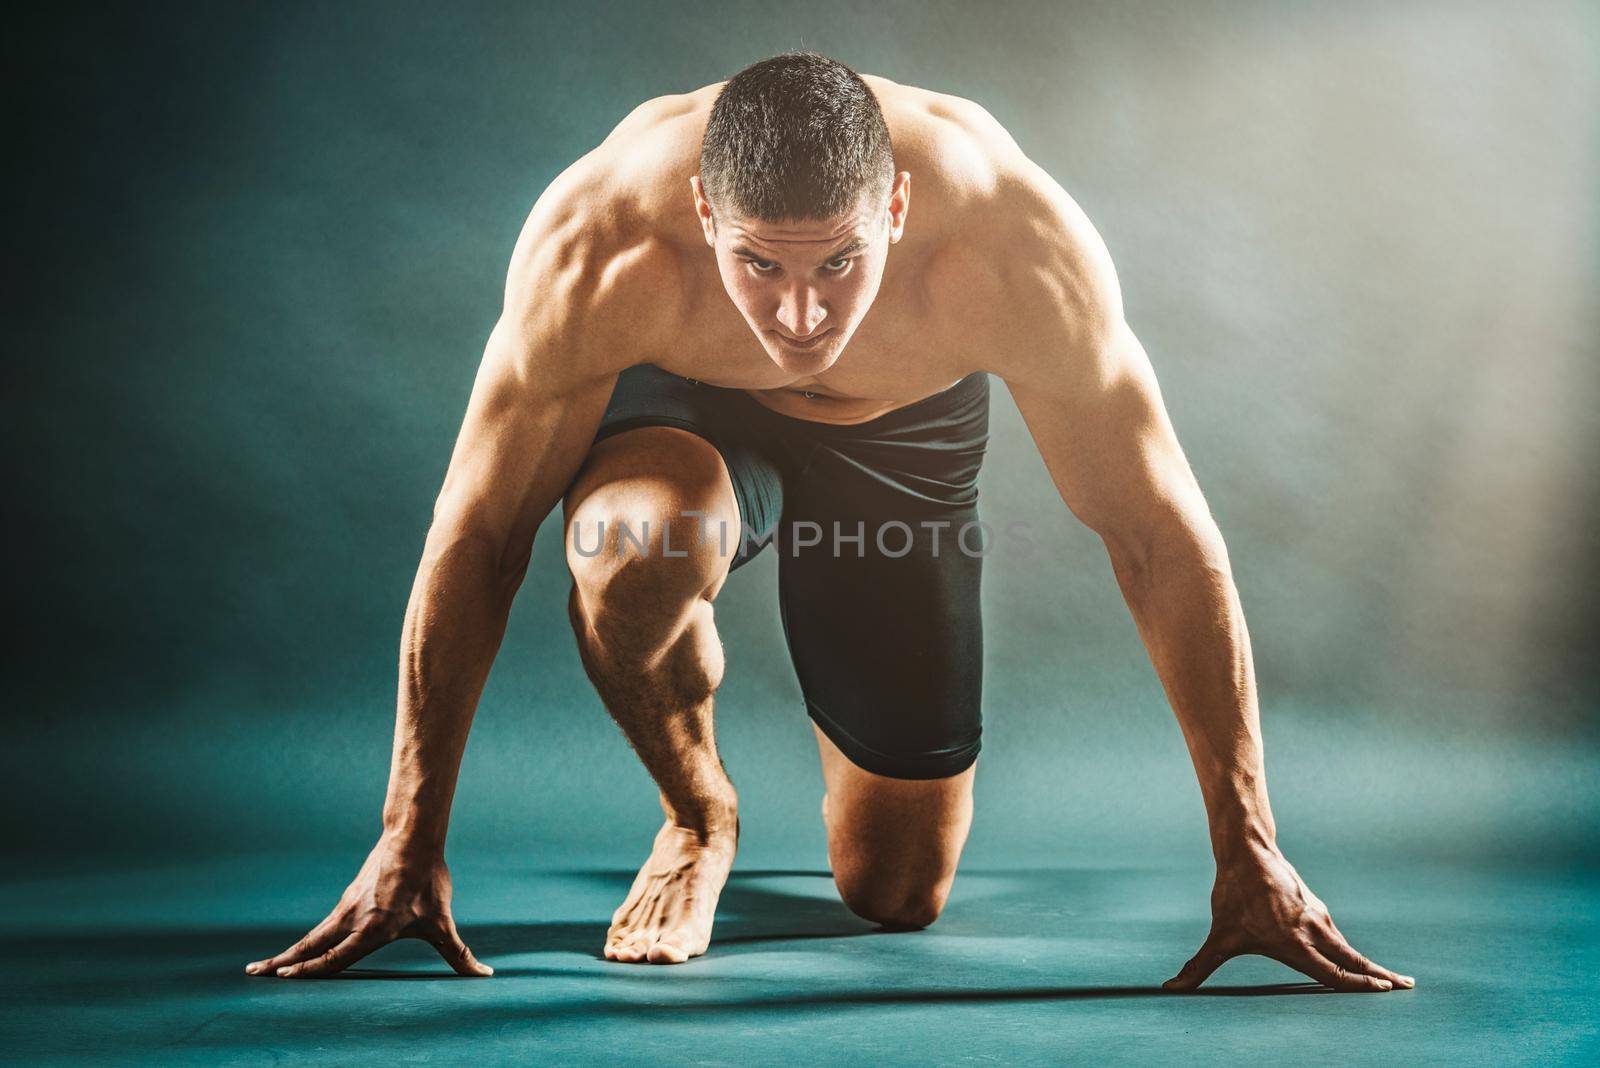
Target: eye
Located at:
point(842, 264)
point(762, 266)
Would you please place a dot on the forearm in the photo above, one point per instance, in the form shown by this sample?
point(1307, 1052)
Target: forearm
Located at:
point(454, 624)
point(1184, 603)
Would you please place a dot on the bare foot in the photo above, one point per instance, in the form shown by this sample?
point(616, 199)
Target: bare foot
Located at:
point(666, 918)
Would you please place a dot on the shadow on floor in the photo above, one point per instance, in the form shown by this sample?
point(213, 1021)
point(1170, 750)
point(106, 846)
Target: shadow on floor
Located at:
point(98, 963)
point(754, 914)
point(751, 912)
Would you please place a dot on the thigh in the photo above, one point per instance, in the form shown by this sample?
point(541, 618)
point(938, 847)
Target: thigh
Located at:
point(643, 495)
point(886, 636)
point(648, 397)
point(655, 468)
point(893, 844)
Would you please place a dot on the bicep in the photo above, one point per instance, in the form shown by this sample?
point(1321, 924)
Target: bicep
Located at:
point(1095, 411)
point(528, 426)
point(547, 373)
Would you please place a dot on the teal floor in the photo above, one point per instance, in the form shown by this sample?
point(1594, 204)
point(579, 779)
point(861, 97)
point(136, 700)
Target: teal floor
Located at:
point(140, 964)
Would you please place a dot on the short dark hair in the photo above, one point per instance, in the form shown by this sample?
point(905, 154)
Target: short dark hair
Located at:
point(795, 137)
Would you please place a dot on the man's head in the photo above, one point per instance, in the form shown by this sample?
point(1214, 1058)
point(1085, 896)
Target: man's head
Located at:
point(798, 195)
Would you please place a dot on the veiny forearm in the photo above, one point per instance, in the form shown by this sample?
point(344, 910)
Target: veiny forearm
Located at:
point(454, 624)
point(1184, 603)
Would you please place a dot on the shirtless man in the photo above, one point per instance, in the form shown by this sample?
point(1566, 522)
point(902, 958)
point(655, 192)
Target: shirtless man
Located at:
point(686, 348)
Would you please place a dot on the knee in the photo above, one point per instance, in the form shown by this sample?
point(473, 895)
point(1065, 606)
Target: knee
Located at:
point(897, 905)
point(629, 555)
point(643, 579)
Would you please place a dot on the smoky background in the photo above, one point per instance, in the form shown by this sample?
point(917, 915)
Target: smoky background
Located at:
point(256, 252)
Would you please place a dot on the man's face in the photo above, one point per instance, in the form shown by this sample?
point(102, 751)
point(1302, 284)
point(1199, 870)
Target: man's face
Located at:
point(804, 287)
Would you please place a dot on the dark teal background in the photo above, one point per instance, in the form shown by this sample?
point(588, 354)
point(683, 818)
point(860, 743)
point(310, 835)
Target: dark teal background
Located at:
point(256, 251)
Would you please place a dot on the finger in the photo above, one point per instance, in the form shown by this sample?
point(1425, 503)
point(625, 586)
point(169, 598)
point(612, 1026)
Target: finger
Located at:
point(1332, 975)
point(340, 957)
point(457, 955)
point(316, 940)
point(1344, 954)
point(319, 938)
point(1200, 966)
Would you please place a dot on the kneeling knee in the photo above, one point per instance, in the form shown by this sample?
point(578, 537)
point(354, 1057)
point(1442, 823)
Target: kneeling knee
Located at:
point(627, 557)
point(898, 908)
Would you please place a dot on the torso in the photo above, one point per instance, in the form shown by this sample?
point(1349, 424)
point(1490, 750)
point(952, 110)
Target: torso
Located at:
point(936, 315)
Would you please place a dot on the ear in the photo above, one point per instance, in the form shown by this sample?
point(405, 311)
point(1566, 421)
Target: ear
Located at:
point(702, 209)
point(899, 205)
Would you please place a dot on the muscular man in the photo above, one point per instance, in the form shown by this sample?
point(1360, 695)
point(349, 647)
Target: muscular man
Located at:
point(722, 319)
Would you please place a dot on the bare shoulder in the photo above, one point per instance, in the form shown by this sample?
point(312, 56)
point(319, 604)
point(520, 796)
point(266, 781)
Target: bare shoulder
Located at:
point(584, 261)
point(1056, 253)
point(943, 136)
point(1033, 274)
point(657, 112)
point(1008, 234)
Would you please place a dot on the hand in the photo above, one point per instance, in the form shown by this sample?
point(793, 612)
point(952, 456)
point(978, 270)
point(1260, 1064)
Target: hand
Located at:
point(1261, 905)
point(394, 896)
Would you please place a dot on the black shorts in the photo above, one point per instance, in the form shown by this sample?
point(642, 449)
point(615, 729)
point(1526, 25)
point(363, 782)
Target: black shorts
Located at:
point(880, 556)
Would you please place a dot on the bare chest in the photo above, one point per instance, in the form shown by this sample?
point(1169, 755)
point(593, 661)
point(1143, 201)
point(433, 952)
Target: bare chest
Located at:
point(904, 350)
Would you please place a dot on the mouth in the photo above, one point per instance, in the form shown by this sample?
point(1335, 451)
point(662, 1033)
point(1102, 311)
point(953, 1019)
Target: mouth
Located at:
point(809, 343)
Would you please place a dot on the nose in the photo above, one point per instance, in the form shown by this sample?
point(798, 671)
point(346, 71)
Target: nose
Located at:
point(800, 312)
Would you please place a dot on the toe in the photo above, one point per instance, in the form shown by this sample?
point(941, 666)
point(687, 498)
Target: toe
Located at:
point(632, 951)
point(665, 952)
point(617, 940)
